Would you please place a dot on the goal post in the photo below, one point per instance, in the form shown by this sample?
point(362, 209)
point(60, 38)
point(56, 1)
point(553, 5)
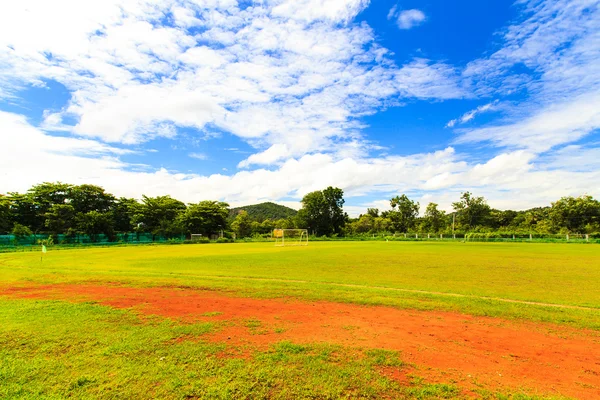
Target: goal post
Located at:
point(195, 237)
point(290, 237)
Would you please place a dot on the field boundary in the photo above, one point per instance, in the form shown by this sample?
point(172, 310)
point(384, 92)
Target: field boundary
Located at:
point(417, 291)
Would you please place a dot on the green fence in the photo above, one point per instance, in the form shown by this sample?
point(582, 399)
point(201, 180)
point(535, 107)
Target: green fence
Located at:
point(100, 239)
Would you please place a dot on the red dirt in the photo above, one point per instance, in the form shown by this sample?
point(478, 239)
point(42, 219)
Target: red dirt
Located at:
point(472, 352)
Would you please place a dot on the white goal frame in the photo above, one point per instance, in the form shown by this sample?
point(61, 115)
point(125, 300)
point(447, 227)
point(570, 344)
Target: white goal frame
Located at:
point(290, 237)
point(196, 237)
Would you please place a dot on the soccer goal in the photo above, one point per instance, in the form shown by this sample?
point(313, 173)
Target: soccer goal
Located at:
point(290, 237)
point(195, 237)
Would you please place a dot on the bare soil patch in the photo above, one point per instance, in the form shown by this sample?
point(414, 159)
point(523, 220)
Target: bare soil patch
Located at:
point(471, 352)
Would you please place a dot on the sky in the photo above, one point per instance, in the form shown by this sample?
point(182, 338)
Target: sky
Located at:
point(251, 101)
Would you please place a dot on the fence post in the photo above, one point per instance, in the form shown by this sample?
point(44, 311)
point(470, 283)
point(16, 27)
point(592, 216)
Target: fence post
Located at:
point(530, 237)
point(587, 237)
point(441, 235)
point(567, 237)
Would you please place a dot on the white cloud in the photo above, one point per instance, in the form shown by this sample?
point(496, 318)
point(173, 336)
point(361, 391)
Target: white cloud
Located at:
point(198, 156)
point(553, 125)
point(293, 73)
point(407, 19)
point(559, 43)
point(440, 176)
point(469, 115)
point(293, 80)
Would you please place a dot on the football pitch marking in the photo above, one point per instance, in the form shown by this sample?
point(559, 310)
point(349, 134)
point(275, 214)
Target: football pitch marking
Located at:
point(352, 285)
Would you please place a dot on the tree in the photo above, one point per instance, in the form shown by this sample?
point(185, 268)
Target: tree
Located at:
point(434, 219)
point(242, 225)
point(60, 218)
point(575, 214)
point(373, 212)
point(403, 214)
point(6, 222)
point(86, 198)
point(25, 211)
point(159, 215)
point(322, 211)
point(122, 211)
point(364, 224)
point(21, 231)
point(206, 217)
point(94, 223)
point(471, 211)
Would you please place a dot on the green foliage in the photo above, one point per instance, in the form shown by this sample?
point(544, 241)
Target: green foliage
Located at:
point(86, 198)
point(60, 218)
point(159, 215)
point(322, 212)
point(21, 231)
point(93, 223)
point(434, 219)
point(206, 217)
point(6, 222)
point(264, 211)
point(404, 213)
point(122, 212)
point(64, 209)
point(576, 214)
point(471, 211)
point(242, 225)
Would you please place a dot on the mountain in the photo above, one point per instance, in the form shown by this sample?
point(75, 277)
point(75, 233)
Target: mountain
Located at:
point(262, 211)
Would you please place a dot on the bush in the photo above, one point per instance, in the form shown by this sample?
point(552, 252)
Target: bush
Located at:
point(224, 240)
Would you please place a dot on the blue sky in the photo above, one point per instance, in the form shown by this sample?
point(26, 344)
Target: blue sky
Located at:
point(267, 101)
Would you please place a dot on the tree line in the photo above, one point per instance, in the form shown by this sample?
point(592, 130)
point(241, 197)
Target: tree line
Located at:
point(64, 209)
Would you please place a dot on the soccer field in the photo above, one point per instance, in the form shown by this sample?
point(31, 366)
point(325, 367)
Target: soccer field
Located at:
point(112, 305)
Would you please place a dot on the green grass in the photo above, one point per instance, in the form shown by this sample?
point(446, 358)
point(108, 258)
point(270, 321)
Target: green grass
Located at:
point(359, 272)
point(54, 349)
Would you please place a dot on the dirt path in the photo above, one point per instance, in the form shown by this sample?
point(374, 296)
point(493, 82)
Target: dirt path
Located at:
point(472, 352)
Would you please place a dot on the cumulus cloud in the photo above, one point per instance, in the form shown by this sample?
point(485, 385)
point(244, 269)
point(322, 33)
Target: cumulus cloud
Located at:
point(436, 176)
point(407, 19)
point(293, 80)
point(293, 73)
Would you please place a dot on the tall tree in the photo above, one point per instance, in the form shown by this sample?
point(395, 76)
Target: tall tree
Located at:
point(334, 199)
point(322, 211)
point(60, 218)
point(159, 215)
point(403, 214)
point(242, 224)
point(576, 214)
point(434, 219)
point(122, 212)
point(6, 221)
point(471, 211)
point(206, 217)
point(86, 198)
point(94, 223)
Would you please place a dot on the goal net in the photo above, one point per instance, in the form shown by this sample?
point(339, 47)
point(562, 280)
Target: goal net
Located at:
point(196, 237)
point(290, 237)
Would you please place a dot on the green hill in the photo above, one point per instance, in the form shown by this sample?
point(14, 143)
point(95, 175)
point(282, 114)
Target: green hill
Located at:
point(262, 211)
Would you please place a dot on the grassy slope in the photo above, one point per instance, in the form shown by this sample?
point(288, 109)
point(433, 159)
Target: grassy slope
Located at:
point(548, 273)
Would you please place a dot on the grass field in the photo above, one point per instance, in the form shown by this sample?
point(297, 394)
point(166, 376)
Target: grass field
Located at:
point(53, 348)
